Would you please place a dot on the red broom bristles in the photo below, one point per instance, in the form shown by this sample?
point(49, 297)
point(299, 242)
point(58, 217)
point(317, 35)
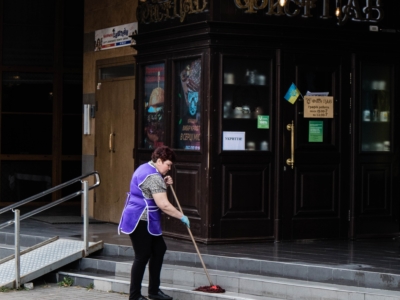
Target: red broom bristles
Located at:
point(210, 289)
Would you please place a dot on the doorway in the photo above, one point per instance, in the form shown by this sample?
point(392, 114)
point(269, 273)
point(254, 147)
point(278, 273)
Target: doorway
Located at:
point(114, 135)
point(315, 188)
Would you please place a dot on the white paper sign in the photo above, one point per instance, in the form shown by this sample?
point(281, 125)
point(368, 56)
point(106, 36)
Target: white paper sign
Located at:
point(233, 140)
point(317, 93)
point(114, 37)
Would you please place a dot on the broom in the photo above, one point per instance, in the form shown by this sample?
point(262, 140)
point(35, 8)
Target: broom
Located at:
point(211, 288)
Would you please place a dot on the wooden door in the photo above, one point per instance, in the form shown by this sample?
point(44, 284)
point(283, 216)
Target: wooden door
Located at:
point(314, 202)
point(114, 145)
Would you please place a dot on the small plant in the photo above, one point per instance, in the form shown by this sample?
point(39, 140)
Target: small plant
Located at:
point(90, 286)
point(67, 281)
point(4, 289)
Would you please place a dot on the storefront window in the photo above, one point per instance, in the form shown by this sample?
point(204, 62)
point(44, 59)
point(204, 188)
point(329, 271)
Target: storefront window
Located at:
point(21, 179)
point(154, 118)
point(187, 104)
point(375, 112)
point(27, 113)
point(246, 99)
point(38, 20)
point(71, 114)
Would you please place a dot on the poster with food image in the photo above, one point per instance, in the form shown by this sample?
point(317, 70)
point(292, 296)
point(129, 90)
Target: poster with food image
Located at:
point(188, 104)
point(154, 120)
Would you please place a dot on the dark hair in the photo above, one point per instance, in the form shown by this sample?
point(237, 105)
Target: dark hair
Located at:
point(164, 153)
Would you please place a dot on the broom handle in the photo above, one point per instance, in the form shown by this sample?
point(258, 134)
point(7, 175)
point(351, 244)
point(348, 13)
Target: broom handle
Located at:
point(194, 242)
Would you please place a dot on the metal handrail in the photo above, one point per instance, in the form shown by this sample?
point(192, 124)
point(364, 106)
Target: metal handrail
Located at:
point(52, 204)
point(53, 189)
point(17, 218)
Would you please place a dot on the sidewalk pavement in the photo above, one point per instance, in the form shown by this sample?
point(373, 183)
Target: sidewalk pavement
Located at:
point(54, 292)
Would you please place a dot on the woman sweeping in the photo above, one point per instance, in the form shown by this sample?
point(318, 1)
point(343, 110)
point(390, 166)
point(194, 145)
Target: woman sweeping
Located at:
point(141, 219)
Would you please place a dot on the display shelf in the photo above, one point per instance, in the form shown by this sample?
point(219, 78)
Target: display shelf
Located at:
point(245, 96)
point(375, 109)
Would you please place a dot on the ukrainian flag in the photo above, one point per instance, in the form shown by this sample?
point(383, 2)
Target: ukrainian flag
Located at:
point(292, 94)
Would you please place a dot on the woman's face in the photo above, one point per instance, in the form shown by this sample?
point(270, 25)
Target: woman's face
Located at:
point(163, 166)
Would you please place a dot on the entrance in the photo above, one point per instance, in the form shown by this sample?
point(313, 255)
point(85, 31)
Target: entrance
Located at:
point(114, 136)
point(315, 190)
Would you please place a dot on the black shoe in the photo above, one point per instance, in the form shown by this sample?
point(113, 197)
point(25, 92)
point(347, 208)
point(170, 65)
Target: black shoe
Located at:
point(142, 298)
point(160, 296)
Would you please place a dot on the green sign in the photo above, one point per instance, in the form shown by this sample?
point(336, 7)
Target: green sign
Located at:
point(315, 131)
point(262, 122)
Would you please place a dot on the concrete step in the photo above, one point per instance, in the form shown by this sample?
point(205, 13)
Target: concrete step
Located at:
point(178, 280)
point(347, 274)
point(121, 285)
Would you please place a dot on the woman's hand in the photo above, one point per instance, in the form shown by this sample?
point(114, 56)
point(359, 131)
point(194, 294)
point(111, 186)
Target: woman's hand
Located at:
point(168, 180)
point(185, 221)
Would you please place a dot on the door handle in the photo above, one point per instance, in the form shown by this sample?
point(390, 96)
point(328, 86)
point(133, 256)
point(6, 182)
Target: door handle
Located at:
point(290, 161)
point(111, 143)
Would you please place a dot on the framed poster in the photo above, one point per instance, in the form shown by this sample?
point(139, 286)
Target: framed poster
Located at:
point(188, 101)
point(154, 119)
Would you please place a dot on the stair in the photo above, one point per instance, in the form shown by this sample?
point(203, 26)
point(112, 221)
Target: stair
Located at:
point(243, 278)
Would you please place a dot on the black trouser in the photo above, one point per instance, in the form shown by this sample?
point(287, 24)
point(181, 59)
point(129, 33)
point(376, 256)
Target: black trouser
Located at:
point(148, 248)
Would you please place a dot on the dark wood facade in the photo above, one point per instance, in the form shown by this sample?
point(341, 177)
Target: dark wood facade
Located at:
point(337, 188)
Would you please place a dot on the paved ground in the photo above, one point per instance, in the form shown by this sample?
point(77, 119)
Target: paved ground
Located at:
point(54, 292)
point(366, 255)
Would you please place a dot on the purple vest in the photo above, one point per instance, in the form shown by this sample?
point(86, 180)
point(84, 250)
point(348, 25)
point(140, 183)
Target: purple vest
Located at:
point(136, 203)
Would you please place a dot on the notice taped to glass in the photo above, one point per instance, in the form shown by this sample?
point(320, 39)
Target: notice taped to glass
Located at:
point(318, 107)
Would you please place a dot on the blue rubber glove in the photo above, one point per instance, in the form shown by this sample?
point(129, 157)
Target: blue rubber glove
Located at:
point(185, 221)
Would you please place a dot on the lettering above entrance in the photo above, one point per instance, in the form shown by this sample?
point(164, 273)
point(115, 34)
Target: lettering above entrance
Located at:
point(152, 11)
point(345, 10)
